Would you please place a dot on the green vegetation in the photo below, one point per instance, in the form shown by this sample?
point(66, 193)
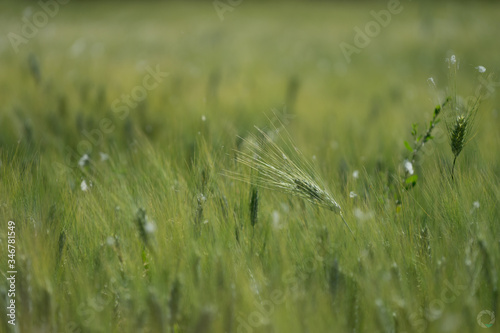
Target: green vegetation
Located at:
point(116, 174)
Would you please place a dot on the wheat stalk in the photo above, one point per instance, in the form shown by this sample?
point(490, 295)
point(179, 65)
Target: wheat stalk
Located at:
point(283, 169)
point(463, 113)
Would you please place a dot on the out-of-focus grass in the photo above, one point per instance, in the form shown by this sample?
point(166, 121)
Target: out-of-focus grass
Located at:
point(430, 264)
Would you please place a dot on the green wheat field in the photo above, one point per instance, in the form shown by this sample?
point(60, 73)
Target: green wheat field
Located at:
point(183, 166)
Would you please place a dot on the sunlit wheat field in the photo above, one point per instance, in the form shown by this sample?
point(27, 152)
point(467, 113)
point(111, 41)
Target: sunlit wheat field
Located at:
point(140, 163)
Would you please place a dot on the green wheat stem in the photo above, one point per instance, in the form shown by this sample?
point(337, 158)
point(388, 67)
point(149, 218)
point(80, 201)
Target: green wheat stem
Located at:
point(453, 168)
point(347, 225)
point(428, 134)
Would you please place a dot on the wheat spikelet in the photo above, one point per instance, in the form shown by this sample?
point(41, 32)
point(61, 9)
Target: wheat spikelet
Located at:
point(460, 128)
point(283, 168)
point(254, 206)
point(463, 113)
point(457, 135)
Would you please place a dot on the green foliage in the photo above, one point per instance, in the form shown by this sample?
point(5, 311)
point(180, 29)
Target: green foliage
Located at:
point(419, 140)
point(412, 180)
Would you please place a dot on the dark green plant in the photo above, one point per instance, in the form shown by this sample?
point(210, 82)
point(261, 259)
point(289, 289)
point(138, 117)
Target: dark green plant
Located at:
point(419, 140)
point(254, 206)
point(461, 114)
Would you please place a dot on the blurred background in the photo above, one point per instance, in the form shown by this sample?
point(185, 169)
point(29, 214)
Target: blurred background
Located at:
point(234, 61)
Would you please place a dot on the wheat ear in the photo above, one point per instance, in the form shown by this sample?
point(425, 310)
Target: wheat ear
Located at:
point(283, 169)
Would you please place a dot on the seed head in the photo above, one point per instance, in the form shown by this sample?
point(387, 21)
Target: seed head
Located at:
point(254, 206)
point(282, 167)
point(315, 195)
point(457, 135)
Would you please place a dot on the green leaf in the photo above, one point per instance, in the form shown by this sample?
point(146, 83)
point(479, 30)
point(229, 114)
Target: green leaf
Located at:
point(412, 179)
point(437, 110)
point(407, 145)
